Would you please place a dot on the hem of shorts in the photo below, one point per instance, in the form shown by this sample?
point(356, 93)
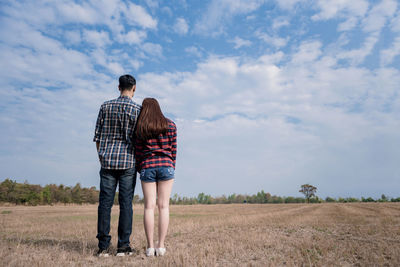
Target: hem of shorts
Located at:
point(145, 168)
point(145, 181)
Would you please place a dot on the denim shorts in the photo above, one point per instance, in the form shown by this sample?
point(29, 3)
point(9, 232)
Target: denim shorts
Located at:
point(157, 174)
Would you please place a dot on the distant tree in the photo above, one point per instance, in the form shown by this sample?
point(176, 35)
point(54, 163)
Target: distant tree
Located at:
point(136, 199)
point(290, 200)
point(383, 198)
point(352, 199)
point(208, 199)
point(261, 197)
point(27, 194)
point(46, 195)
point(7, 190)
point(329, 199)
point(219, 200)
point(369, 199)
point(276, 199)
point(200, 198)
point(316, 199)
point(174, 199)
point(232, 198)
point(308, 191)
point(76, 194)
point(240, 199)
point(204, 199)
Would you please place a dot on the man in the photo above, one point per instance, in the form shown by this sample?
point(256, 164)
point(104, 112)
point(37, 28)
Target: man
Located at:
point(114, 137)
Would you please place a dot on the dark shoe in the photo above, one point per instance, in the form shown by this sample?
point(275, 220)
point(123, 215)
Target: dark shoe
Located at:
point(103, 253)
point(125, 251)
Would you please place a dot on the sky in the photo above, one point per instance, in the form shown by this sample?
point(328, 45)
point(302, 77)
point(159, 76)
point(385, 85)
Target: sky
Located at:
point(266, 94)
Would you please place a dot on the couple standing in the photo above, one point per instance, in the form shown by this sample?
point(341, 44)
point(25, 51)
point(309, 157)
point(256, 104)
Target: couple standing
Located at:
point(131, 138)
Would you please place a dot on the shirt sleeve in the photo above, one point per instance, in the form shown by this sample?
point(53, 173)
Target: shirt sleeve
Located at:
point(174, 144)
point(99, 125)
point(138, 153)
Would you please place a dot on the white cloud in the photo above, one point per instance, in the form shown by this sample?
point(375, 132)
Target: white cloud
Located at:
point(104, 26)
point(219, 12)
point(395, 24)
point(112, 61)
point(136, 64)
point(331, 9)
point(357, 56)
point(194, 51)
point(288, 117)
point(133, 37)
point(152, 3)
point(42, 58)
point(115, 68)
point(340, 112)
point(77, 13)
point(167, 11)
point(181, 26)
point(152, 49)
point(378, 15)
point(239, 42)
point(388, 55)
point(225, 101)
point(138, 15)
point(352, 11)
point(73, 37)
point(99, 39)
point(288, 4)
point(372, 23)
point(308, 51)
point(274, 41)
point(348, 24)
point(279, 23)
point(43, 15)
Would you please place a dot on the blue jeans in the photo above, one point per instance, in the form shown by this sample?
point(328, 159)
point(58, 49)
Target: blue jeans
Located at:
point(108, 184)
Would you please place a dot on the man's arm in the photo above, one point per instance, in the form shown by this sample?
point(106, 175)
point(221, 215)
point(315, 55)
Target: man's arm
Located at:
point(97, 132)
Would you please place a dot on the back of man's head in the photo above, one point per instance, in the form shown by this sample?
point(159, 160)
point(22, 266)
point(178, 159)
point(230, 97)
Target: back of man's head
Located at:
point(126, 82)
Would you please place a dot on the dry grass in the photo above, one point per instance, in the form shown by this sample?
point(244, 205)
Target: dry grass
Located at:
point(361, 234)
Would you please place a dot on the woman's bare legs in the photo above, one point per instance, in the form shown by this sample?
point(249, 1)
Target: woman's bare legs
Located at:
point(149, 193)
point(164, 192)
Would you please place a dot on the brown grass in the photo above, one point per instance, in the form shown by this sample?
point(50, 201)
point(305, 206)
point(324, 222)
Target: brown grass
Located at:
point(331, 234)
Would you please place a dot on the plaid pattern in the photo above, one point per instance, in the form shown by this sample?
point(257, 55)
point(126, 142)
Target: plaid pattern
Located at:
point(115, 131)
point(157, 152)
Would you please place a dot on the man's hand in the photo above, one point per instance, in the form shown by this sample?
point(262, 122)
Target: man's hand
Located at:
point(98, 147)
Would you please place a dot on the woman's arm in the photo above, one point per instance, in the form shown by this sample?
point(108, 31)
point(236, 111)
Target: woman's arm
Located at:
point(174, 144)
point(138, 154)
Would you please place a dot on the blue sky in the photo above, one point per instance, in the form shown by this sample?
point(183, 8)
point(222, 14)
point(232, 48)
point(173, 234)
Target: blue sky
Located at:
point(266, 94)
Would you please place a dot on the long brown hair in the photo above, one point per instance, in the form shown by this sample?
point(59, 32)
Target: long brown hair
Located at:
point(151, 121)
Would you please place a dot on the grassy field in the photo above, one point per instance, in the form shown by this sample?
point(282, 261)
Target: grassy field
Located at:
point(333, 234)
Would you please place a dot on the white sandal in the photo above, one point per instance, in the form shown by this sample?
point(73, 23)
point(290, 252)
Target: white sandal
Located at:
point(160, 251)
point(150, 252)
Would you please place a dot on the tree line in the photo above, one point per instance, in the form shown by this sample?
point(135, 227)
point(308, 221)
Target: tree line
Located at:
point(29, 194)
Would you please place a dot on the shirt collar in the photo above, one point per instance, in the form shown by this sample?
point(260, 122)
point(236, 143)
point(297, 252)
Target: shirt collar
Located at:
point(124, 97)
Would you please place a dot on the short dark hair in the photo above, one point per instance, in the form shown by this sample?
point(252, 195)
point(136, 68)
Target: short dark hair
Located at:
point(126, 82)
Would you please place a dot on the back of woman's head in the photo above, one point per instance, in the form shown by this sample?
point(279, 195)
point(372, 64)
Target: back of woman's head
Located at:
point(151, 122)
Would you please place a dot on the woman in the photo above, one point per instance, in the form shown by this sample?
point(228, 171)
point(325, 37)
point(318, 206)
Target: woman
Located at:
point(155, 160)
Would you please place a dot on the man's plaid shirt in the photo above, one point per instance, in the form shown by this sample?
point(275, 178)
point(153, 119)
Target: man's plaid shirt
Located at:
point(115, 128)
point(157, 152)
